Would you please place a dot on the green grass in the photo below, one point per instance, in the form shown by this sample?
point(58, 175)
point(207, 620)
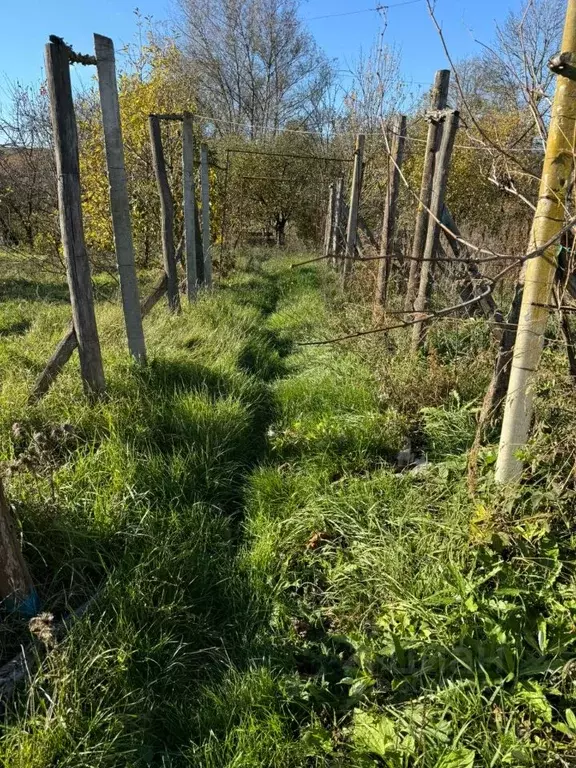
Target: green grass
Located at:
point(270, 589)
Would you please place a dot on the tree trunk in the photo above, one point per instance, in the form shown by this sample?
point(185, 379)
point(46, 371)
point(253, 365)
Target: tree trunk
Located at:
point(16, 589)
point(541, 270)
point(280, 228)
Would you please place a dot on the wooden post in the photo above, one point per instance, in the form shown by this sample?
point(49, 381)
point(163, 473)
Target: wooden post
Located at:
point(68, 343)
point(351, 230)
point(17, 592)
point(199, 247)
point(329, 227)
point(438, 101)
point(436, 208)
point(189, 195)
point(390, 209)
point(206, 244)
point(70, 211)
point(167, 213)
point(549, 220)
point(224, 224)
point(337, 238)
point(119, 202)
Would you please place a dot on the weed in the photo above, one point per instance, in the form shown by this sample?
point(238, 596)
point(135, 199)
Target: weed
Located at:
point(268, 588)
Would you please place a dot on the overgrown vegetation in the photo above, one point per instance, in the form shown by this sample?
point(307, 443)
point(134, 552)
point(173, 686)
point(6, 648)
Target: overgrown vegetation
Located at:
point(268, 588)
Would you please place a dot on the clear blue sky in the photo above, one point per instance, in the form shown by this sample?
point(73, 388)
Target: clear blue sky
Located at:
point(26, 25)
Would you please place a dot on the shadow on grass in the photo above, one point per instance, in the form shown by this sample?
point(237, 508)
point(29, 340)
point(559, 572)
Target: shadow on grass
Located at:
point(33, 290)
point(16, 329)
point(24, 289)
point(178, 610)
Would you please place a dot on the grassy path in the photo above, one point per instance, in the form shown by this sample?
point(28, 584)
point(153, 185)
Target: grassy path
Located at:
point(273, 593)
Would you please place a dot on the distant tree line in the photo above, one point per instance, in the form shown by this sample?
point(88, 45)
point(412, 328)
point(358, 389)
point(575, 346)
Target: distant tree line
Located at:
point(259, 81)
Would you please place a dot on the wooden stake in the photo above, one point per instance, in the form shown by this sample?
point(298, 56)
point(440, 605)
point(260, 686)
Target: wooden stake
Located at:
point(438, 101)
point(351, 230)
point(70, 210)
point(189, 195)
point(329, 227)
point(16, 588)
point(119, 201)
point(540, 271)
point(390, 209)
point(69, 342)
point(167, 213)
point(337, 231)
point(199, 245)
point(436, 208)
point(224, 225)
point(569, 339)
point(206, 237)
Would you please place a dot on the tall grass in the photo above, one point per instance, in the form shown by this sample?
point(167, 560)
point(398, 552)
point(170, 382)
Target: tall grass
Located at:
point(270, 589)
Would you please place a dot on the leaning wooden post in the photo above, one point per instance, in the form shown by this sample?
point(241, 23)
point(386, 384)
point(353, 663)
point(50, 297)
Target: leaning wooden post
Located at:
point(390, 210)
point(188, 196)
point(17, 591)
point(167, 213)
point(438, 101)
point(206, 244)
point(328, 229)
point(452, 234)
point(436, 207)
point(70, 211)
point(119, 201)
point(352, 228)
point(540, 271)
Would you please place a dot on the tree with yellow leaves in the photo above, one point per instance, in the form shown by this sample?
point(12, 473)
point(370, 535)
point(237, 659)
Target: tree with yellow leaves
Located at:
point(150, 85)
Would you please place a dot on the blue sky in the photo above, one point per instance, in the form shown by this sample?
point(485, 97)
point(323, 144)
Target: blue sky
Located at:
point(26, 25)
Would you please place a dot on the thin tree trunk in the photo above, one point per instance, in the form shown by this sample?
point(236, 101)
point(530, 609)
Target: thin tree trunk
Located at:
point(16, 588)
point(540, 271)
point(496, 392)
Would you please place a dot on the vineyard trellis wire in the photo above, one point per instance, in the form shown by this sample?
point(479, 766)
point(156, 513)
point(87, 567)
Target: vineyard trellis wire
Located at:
point(343, 222)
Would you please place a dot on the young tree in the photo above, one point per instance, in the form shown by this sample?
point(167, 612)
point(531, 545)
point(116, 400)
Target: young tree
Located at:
point(287, 187)
point(515, 68)
point(254, 64)
point(28, 208)
point(149, 85)
point(375, 89)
